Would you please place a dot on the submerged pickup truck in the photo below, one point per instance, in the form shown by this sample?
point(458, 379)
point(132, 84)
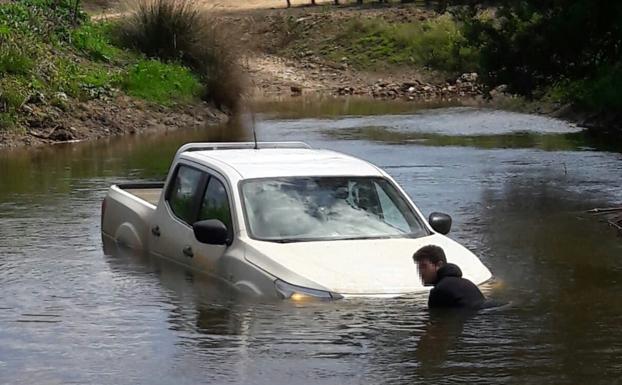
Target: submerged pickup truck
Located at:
point(282, 220)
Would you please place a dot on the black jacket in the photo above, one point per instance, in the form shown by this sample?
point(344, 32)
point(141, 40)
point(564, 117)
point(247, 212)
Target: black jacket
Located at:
point(453, 291)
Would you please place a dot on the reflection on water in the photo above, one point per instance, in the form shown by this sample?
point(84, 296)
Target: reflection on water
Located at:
point(70, 314)
point(329, 107)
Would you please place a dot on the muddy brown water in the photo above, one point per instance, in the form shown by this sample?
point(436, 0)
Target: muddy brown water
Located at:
point(516, 185)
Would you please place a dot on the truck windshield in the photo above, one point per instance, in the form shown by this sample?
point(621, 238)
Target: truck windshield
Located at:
point(327, 208)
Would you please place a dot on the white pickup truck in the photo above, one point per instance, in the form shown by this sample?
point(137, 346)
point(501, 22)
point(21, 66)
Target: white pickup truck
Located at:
point(282, 220)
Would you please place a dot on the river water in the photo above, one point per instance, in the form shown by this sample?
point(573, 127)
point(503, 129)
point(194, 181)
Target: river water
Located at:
point(516, 185)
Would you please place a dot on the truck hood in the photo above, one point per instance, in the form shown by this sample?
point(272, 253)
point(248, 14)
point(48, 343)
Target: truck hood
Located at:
point(358, 267)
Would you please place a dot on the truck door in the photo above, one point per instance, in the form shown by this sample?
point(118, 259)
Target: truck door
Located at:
point(214, 205)
point(171, 234)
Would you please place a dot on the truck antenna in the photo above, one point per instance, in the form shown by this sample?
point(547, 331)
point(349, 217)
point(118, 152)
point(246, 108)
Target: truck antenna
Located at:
point(254, 130)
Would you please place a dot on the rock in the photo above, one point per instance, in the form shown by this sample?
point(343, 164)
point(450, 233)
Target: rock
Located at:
point(37, 98)
point(296, 90)
point(61, 96)
point(411, 89)
point(61, 135)
point(345, 91)
point(501, 88)
point(469, 77)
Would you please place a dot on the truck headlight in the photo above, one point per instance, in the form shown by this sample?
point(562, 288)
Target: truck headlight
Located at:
point(298, 293)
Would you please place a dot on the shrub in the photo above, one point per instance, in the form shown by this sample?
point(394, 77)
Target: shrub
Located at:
point(530, 45)
point(165, 29)
point(600, 92)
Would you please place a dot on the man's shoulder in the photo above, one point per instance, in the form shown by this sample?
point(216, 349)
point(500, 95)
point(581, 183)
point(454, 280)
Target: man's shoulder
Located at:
point(455, 292)
point(449, 282)
point(442, 295)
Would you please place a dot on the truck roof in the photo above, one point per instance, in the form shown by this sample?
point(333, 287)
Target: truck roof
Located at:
point(282, 162)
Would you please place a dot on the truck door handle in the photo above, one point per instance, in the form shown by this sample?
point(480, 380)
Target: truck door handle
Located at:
point(155, 230)
point(188, 252)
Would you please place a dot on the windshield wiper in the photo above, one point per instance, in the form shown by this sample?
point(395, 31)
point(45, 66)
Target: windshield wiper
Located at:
point(292, 240)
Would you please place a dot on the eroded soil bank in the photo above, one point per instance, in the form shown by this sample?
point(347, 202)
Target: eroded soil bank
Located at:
point(103, 118)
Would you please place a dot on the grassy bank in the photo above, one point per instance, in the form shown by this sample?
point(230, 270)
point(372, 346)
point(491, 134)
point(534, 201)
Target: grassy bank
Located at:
point(376, 40)
point(435, 43)
point(53, 57)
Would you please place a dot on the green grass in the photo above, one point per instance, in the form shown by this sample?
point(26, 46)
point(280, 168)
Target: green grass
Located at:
point(13, 93)
point(371, 44)
point(94, 40)
point(8, 121)
point(14, 61)
point(44, 49)
point(161, 83)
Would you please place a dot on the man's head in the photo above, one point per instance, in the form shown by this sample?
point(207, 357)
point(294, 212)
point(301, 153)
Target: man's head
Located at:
point(429, 259)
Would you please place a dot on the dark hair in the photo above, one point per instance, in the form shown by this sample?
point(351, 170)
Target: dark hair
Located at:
point(432, 253)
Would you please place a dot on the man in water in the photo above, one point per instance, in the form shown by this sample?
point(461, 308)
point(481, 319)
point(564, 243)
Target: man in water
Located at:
point(450, 289)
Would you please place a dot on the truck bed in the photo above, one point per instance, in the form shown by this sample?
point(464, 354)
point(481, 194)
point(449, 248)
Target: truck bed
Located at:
point(151, 195)
point(149, 192)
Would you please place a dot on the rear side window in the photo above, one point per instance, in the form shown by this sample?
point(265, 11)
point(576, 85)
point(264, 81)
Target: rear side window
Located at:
point(184, 191)
point(215, 204)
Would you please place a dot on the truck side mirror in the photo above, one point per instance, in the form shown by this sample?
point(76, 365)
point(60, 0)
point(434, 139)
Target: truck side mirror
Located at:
point(211, 232)
point(441, 223)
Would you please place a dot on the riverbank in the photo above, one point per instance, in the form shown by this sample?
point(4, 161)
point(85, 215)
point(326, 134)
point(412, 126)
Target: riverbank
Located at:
point(404, 52)
point(310, 50)
point(401, 52)
point(65, 78)
point(96, 119)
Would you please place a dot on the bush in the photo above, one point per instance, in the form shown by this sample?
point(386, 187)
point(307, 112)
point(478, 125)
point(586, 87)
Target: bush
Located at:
point(160, 83)
point(178, 31)
point(165, 29)
point(532, 44)
point(600, 92)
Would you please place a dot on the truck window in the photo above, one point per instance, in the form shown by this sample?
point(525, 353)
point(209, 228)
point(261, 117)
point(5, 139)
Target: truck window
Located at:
point(215, 204)
point(183, 193)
